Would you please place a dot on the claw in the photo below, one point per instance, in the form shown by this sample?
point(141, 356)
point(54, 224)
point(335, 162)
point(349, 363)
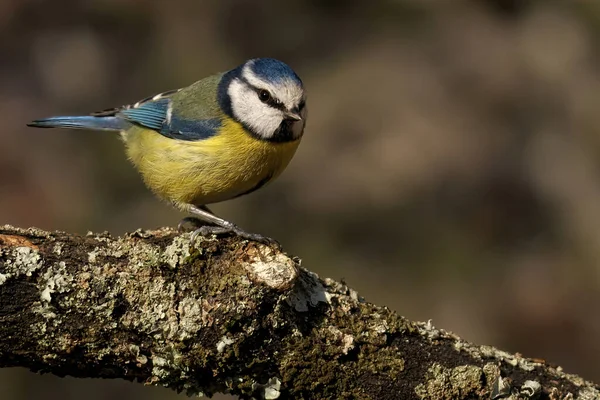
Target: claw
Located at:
point(218, 230)
point(207, 231)
point(256, 238)
point(193, 221)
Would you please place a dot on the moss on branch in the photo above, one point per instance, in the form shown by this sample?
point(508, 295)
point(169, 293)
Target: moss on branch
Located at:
point(227, 315)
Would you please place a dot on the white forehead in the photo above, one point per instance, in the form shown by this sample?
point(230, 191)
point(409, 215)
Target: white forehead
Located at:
point(285, 90)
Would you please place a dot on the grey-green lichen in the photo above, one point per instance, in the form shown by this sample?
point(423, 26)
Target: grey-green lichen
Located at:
point(177, 252)
point(469, 381)
point(224, 342)
point(588, 393)
point(270, 390)
point(338, 337)
point(236, 316)
point(531, 389)
point(57, 280)
point(19, 261)
point(450, 383)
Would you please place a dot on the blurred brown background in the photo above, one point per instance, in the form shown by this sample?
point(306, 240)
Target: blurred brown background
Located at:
point(450, 168)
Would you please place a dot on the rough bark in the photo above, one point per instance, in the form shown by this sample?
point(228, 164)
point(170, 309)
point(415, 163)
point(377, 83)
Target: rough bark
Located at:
point(231, 316)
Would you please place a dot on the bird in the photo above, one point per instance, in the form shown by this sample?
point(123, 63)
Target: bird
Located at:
point(222, 137)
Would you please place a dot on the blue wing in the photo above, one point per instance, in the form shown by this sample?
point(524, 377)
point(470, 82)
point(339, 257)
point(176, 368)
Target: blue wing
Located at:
point(151, 114)
point(157, 114)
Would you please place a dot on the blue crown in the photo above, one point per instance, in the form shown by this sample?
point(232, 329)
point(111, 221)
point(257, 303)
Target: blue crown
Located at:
point(272, 70)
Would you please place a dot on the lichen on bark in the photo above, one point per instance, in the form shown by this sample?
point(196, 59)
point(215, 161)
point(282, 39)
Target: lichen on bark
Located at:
point(227, 315)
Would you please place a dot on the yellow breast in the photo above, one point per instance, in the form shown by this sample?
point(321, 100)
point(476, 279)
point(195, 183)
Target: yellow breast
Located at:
point(227, 165)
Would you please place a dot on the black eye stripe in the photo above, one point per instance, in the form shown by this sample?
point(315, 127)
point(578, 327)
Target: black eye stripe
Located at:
point(272, 102)
point(275, 103)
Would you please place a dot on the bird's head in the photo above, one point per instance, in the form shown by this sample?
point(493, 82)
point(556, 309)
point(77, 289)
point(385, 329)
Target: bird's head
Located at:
point(267, 97)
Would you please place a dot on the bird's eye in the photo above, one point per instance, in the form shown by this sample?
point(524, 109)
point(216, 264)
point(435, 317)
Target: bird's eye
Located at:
point(264, 95)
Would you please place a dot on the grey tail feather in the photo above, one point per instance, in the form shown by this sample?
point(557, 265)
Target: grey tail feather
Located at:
point(82, 122)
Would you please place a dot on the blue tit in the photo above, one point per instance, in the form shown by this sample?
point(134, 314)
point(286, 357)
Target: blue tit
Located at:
point(222, 137)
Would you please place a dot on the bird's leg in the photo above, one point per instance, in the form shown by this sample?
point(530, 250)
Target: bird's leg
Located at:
point(220, 226)
point(194, 222)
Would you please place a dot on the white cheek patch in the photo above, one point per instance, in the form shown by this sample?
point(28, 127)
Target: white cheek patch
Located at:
point(289, 93)
point(248, 109)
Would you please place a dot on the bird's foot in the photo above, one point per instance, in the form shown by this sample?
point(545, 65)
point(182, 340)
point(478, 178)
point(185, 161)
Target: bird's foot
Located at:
point(256, 238)
point(208, 230)
point(189, 224)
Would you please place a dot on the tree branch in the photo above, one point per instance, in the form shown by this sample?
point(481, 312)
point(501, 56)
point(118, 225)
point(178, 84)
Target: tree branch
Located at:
point(231, 316)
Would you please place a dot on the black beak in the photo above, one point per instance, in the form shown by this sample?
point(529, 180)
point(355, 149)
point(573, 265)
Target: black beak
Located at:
point(293, 116)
